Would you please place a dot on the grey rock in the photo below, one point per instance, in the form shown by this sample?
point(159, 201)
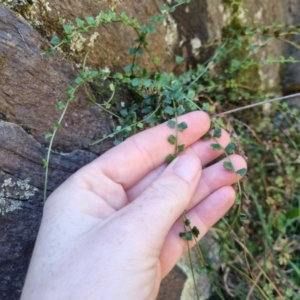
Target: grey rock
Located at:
point(21, 199)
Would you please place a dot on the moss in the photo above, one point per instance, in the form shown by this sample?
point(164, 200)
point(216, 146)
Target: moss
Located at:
point(233, 4)
point(235, 34)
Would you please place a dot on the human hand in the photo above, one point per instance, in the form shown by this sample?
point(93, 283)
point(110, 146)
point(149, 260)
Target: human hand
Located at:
point(111, 230)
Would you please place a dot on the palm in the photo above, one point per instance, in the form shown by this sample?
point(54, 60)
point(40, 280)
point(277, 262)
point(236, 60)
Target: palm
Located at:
point(106, 212)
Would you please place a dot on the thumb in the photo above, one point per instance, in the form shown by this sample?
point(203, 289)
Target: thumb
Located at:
point(162, 203)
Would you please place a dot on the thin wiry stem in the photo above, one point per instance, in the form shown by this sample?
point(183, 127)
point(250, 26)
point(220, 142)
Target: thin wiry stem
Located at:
point(255, 104)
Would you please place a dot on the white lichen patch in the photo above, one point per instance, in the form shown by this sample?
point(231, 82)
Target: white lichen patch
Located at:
point(242, 15)
point(225, 13)
point(196, 44)
point(171, 35)
point(258, 15)
point(92, 39)
point(77, 43)
point(202, 282)
point(11, 190)
point(28, 10)
point(221, 8)
point(47, 6)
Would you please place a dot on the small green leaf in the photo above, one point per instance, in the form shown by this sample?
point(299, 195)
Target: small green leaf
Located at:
point(172, 139)
point(54, 40)
point(205, 106)
point(242, 172)
point(187, 222)
point(68, 29)
point(228, 166)
point(124, 17)
point(195, 231)
point(191, 94)
point(179, 96)
point(182, 126)
point(179, 59)
point(140, 125)
point(180, 148)
point(186, 235)
point(85, 75)
point(90, 20)
point(60, 105)
point(170, 158)
point(209, 268)
point(118, 76)
point(155, 59)
point(112, 87)
point(165, 8)
point(79, 22)
point(124, 112)
point(230, 148)
point(180, 110)
point(243, 217)
point(128, 68)
point(169, 110)
point(117, 142)
point(147, 109)
point(135, 82)
point(151, 119)
point(70, 89)
point(56, 125)
point(201, 271)
point(135, 51)
point(238, 199)
point(71, 97)
point(156, 18)
point(206, 137)
point(45, 163)
point(216, 146)
point(217, 132)
point(293, 213)
point(147, 83)
point(78, 80)
point(47, 135)
point(93, 74)
point(171, 123)
point(148, 29)
point(167, 100)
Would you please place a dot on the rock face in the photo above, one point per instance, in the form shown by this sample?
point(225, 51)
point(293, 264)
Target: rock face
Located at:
point(32, 84)
point(21, 199)
point(290, 72)
point(111, 46)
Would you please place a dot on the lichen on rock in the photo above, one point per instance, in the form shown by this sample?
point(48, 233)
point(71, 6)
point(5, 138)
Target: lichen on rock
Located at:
point(13, 192)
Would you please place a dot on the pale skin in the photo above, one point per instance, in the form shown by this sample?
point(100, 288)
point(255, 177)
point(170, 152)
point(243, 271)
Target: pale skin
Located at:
point(111, 230)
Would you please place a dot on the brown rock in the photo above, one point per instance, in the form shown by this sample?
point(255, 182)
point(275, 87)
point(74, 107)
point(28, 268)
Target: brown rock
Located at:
point(179, 34)
point(31, 85)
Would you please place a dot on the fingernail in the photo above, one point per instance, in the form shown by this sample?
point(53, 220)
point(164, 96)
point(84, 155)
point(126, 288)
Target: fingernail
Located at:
point(187, 167)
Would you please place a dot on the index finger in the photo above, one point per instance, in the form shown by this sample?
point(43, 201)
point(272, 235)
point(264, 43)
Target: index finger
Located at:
point(131, 160)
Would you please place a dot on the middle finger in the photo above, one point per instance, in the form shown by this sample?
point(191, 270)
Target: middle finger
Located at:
point(200, 148)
